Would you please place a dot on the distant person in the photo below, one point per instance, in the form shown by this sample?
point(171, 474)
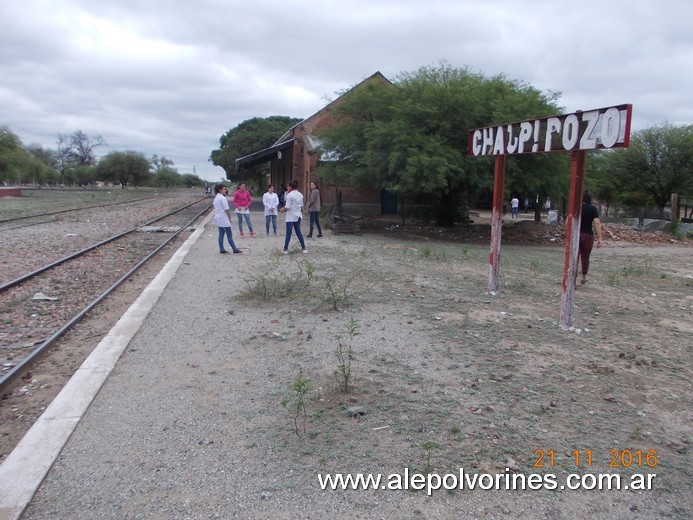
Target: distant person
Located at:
point(271, 202)
point(514, 205)
point(314, 202)
point(242, 201)
point(589, 222)
point(526, 204)
point(222, 218)
point(282, 196)
point(293, 208)
point(208, 190)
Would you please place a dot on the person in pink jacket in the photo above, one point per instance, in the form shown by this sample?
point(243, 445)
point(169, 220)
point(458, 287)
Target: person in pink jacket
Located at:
point(241, 201)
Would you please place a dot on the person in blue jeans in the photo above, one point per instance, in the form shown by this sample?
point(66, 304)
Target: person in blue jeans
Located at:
point(293, 208)
point(271, 202)
point(242, 201)
point(222, 218)
point(314, 202)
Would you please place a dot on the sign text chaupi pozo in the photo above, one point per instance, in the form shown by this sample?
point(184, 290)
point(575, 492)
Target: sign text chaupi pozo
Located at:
point(590, 130)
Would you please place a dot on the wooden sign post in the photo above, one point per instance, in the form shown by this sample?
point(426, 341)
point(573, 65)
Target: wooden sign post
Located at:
point(496, 223)
point(598, 129)
point(572, 236)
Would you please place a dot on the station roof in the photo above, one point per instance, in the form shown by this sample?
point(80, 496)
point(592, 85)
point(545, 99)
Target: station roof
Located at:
point(262, 156)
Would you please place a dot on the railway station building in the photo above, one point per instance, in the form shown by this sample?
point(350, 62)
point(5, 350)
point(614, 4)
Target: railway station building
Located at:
point(295, 155)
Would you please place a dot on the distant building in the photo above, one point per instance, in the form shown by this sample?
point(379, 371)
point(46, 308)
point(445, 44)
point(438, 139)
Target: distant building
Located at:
point(294, 156)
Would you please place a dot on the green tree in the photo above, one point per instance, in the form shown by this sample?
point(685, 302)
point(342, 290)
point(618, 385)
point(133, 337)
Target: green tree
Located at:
point(248, 137)
point(45, 155)
point(658, 163)
point(84, 174)
point(164, 173)
point(600, 182)
point(190, 180)
point(412, 139)
point(19, 165)
point(123, 168)
point(166, 178)
point(161, 163)
point(10, 155)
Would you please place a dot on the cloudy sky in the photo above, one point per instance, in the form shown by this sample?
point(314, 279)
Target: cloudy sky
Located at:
point(170, 78)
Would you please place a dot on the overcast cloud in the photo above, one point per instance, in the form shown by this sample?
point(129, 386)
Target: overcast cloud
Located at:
point(169, 78)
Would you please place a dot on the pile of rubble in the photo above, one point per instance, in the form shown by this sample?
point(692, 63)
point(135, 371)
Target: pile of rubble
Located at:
point(623, 233)
point(542, 233)
point(519, 232)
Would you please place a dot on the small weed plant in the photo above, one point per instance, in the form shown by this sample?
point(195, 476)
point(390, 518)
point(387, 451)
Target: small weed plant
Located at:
point(675, 229)
point(428, 448)
point(296, 403)
point(310, 271)
point(278, 280)
point(345, 355)
point(631, 271)
point(338, 292)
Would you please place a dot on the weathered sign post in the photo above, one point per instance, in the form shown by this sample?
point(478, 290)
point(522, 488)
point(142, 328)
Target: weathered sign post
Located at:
point(578, 132)
point(496, 223)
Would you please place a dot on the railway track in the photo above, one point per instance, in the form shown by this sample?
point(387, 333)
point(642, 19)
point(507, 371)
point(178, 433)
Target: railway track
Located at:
point(9, 223)
point(33, 240)
point(40, 306)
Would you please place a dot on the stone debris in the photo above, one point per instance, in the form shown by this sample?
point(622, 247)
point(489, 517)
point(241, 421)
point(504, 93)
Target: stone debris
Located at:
point(41, 296)
point(355, 411)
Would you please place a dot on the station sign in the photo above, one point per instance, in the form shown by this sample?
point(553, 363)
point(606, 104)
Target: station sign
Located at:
point(602, 128)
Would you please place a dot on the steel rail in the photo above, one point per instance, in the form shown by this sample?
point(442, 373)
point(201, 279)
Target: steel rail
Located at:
point(30, 224)
point(38, 271)
point(16, 371)
point(2, 221)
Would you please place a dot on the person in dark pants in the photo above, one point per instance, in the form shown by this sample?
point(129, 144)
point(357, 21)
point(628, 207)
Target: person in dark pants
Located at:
point(282, 196)
point(293, 208)
point(314, 208)
point(589, 223)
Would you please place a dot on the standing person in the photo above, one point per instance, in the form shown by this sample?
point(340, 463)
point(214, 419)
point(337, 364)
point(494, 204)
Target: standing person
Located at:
point(514, 205)
point(314, 202)
point(242, 201)
point(222, 218)
point(589, 222)
point(292, 208)
point(271, 203)
point(282, 196)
